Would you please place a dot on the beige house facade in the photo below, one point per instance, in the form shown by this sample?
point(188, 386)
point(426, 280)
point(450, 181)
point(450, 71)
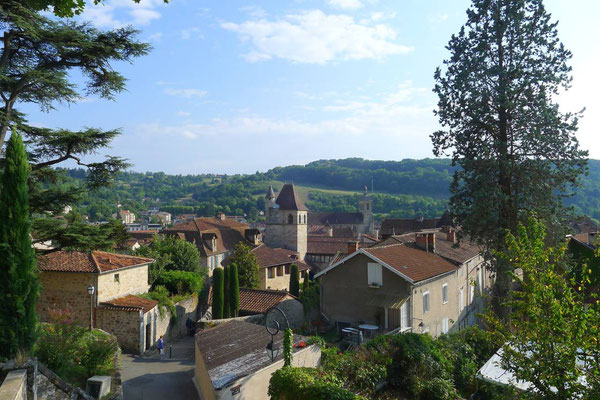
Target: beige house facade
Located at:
point(405, 286)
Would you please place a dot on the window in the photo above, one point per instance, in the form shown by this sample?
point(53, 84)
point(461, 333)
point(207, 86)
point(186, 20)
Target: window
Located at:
point(472, 288)
point(287, 269)
point(271, 272)
point(444, 293)
point(117, 278)
point(367, 206)
point(425, 302)
point(405, 315)
point(374, 274)
point(280, 270)
point(290, 219)
point(462, 299)
point(445, 325)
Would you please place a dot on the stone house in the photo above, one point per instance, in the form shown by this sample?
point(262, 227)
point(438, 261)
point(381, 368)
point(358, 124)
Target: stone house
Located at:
point(275, 266)
point(127, 216)
point(258, 301)
point(401, 226)
point(419, 284)
point(286, 218)
point(215, 237)
point(117, 279)
point(232, 361)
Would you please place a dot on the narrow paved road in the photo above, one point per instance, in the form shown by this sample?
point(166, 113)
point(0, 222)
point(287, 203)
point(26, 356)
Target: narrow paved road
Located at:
point(153, 378)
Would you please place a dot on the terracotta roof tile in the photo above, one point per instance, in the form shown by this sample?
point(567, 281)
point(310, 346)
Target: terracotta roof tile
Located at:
point(288, 199)
point(327, 245)
point(399, 226)
point(228, 233)
point(258, 301)
point(416, 264)
point(95, 261)
point(269, 257)
point(130, 303)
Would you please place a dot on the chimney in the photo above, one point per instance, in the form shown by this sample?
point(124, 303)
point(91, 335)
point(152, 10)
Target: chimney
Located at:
point(352, 247)
point(425, 241)
point(451, 235)
point(592, 238)
point(329, 231)
point(221, 216)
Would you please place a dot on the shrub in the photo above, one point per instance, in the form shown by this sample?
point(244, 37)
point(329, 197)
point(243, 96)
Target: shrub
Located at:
point(439, 389)
point(310, 297)
point(180, 282)
point(97, 355)
point(291, 383)
point(162, 296)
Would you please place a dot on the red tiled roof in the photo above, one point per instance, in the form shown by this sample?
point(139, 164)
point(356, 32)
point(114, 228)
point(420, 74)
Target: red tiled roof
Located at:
point(130, 303)
point(335, 218)
point(228, 233)
point(327, 245)
point(94, 262)
point(258, 301)
point(415, 264)
point(288, 199)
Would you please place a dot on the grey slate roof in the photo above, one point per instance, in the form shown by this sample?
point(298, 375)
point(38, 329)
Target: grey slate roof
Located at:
point(288, 199)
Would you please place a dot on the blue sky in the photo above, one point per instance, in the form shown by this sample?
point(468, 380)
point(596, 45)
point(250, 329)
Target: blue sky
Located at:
point(239, 87)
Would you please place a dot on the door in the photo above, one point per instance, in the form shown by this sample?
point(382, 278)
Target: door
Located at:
point(393, 318)
point(148, 336)
point(405, 315)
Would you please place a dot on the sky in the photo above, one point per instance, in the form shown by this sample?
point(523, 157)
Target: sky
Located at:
point(239, 87)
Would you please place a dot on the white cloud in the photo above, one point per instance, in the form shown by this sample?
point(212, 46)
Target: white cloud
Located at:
point(405, 110)
point(155, 37)
point(119, 13)
point(187, 93)
point(183, 114)
point(316, 38)
point(189, 32)
point(345, 4)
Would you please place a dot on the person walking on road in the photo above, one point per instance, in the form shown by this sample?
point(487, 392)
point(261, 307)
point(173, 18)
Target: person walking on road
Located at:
point(160, 345)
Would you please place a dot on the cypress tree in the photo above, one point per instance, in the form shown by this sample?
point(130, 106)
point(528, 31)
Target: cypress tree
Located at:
point(305, 283)
point(295, 281)
point(19, 287)
point(226, 294)
point(218, 288)
point(234, 289)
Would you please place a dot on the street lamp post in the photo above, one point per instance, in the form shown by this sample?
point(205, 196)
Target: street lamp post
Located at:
point(90, 291)
point(272, 348)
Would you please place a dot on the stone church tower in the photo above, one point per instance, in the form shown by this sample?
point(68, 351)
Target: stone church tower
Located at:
point(286, 218)
point(365, 207)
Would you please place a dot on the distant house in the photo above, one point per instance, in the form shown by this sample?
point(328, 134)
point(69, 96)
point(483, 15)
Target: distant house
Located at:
point(215, 237)
point(358, 222)
point(117, 280)
point(232, 361)
point(275, 266)
point(322, 250)
point(164, 217)
point(420, 282)
point(126, 216)
point(401, 226)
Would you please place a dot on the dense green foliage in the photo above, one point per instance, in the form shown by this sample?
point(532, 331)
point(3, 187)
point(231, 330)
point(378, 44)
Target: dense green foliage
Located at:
point(73, 352)
point(502, 125)
point(311, 297)
point(170, 254)
point(181, 282)
point(307, 384)
point(234, 291)
point(295, 281)
point(288, 350)
point(39, 58)
point(306, 282)
point(218, 294)
point(414, 366)
point(64, 8)
point(226, 293)
point(19, 287)
point(554, 322)
point(160, 294)
point(247, 264)
point(205, 195)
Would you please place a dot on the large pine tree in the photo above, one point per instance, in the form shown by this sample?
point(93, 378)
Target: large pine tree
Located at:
point(19, 288)
point(502, 125)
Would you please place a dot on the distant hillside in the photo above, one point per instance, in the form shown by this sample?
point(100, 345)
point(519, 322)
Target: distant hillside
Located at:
point(402, 189)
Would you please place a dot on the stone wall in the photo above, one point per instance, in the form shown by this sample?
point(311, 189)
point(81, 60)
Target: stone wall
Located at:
point(43, 384)
point(65, 290)
point(122, 282)
point(14, 386)
point(125, 325)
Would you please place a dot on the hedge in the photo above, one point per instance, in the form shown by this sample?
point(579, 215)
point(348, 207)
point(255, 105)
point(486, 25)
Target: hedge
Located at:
point(180, 282)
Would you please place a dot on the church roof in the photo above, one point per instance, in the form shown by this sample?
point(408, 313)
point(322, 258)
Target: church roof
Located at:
point(335, 218)
point(288, 199)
